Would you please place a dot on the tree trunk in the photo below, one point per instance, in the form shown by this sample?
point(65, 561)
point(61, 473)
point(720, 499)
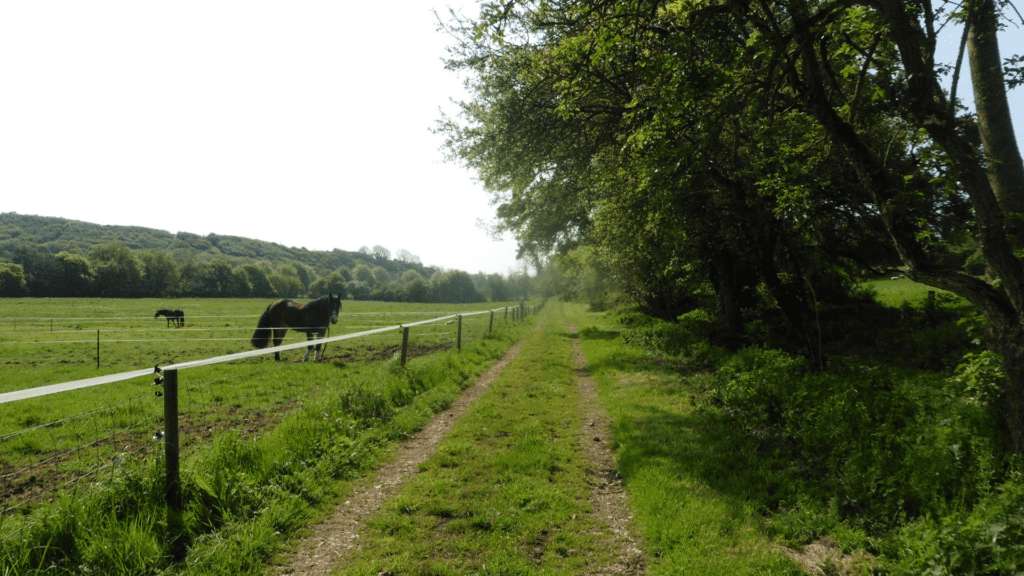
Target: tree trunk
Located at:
point(926, 108)
point(727, 289)
point(793, 306)
point(1003, 160)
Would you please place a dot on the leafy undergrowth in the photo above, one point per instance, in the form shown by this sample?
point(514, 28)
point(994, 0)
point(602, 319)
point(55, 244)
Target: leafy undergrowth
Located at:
point(909, 467)
point(244, 496)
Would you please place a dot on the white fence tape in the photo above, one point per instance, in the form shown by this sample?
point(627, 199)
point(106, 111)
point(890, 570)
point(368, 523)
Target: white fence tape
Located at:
point(111, 378)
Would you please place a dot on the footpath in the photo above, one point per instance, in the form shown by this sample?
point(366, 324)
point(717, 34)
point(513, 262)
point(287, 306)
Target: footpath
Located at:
point(517, 476)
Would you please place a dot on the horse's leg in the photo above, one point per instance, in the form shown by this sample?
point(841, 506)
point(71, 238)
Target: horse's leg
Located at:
point(278, 337)
point(319, 350)
point(309, 338)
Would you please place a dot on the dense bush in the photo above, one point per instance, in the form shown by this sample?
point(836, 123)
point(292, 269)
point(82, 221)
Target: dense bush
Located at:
point(910, 463)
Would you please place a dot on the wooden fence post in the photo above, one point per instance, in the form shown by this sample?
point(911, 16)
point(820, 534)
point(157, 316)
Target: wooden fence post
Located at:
point(97, 349)
point(490, 326)
point(458, 339)
point(405, 344)
point(172, 482)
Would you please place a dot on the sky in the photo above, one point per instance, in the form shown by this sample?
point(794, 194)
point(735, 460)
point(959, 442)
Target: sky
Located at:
point(303, 123)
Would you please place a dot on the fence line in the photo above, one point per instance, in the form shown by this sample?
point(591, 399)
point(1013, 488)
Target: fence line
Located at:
point(111, 378)
point(170, 385)
point(15, 319)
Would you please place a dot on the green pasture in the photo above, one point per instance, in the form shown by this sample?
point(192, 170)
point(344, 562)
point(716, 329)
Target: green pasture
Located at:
point(266, 446)
point(50, 340)
point(896, 293)
point(80, 433)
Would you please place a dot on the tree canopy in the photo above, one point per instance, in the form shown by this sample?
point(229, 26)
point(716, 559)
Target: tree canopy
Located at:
point(786, 146)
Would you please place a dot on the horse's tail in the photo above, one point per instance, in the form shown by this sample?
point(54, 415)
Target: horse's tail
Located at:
point(261, 337)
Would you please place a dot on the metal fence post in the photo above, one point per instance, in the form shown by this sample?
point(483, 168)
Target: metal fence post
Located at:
point(405, 344)
point(172, 483)
point(490, 326)
point(458, 339)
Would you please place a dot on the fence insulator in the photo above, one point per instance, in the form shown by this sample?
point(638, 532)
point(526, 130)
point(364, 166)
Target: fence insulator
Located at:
point(157, 369)
point(159, 393)
point(158, 381)
point(158, 435)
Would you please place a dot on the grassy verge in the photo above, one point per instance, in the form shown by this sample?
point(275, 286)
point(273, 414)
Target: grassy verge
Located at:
point(696, 486)
point(507, 493)
point(893, 465)
point(245, 495)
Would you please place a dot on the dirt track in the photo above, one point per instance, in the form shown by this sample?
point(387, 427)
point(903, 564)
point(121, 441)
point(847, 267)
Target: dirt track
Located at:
point(328, 544)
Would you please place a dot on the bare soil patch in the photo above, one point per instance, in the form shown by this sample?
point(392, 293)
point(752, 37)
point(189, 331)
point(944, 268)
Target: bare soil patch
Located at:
point(609, 498)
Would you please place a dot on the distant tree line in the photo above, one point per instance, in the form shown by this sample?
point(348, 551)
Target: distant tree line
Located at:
point(55, 257)
point(113, 270)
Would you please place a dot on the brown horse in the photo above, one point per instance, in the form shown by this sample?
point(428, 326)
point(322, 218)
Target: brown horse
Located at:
point(312, 318)
point(175, 316)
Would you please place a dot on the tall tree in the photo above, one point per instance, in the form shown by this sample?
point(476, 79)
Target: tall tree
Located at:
point(736, 127)
point(117, 270)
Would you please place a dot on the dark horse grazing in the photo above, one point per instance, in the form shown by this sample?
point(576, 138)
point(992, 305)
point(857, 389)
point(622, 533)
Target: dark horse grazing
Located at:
point(176, 316)
point(312, 318)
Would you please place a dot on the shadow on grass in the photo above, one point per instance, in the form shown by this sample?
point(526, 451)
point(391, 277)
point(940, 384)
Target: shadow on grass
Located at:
point(592, 333)
point(707, 448)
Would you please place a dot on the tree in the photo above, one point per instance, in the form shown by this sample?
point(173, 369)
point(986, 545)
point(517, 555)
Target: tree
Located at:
point(407, 257)
point(455, 287)
point(42, 272)
point(259, 280)
point(76, 276)
point(363, 273)
point(198, 281)
point(742, 140)
point(239, 285)
point(380, 275)
point(287, 286)
point(161, 277)
point(12, 281)
point(333, 283)
point(416, 290)
point(497, 288)
point(381, 254)
point(117, 270)
point(305, 274)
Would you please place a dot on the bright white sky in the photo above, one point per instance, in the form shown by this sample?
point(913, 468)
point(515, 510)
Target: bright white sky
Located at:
point(303, 123)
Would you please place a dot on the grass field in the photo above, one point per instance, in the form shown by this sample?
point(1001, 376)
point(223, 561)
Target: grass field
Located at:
point(49, 340)
point(895, 293)
point(60, 439)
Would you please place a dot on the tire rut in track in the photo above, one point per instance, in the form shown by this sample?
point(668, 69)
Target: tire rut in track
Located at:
point(330, 541)
point(609, 498)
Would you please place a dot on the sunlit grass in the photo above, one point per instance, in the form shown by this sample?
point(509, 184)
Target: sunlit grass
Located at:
point(506, 492)
point(697, 489)
point(895, 293)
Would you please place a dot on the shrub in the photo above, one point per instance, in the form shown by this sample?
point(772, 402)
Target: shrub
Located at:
point(988, 539)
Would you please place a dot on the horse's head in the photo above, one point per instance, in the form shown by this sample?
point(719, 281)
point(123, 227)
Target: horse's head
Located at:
point(335, 307)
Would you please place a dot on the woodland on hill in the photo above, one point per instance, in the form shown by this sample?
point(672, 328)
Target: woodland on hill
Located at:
point(57, 257)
